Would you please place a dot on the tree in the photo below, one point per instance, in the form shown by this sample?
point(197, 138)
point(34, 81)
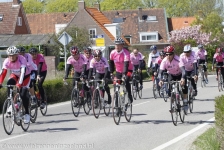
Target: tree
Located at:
point(33, 6)
point(149, 3)
point(120, 5)
point(61, 6)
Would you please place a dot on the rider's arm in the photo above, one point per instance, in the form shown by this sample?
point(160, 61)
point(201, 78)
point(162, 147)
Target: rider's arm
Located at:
point(160, 74)
point(195, 68)
point(111, 66)
point(125, 70)
point(68, 67)
point(150, 61)
point(39, 68)
point(157, 67)
point(206, 56)
point(22, 74)
point(140, 63)
point(106, 72)
point(90, 73)
point(2, 75)
point(183, 71)
point(213, 62)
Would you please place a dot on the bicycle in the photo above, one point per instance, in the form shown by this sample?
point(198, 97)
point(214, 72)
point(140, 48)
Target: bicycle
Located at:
point(164, 88)
point(220, 79)
point(190, 94)
point(39, 100)
point(33, 109)
point(79, 99)
point(201, 72)
point(13, 114)
point(120, 102)
point(98, 100)
point(135, 85)
point(175, 105)
point(155, 87)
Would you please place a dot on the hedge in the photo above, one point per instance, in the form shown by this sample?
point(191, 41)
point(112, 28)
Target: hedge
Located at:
point(219, 119)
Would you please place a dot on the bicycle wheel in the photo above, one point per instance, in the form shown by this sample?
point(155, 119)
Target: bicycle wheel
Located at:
point(87, 103)
point(181, 109)
point(139, 92)
point(33, 111)
point(219, 82)
point(96, 103)
point(173, 108)
point(202, 79)
point(165, 94)
point(154, 89)
point(24, 126)
point(134, 89)
point(8, 117)
point(128, 109)
point(44, 110)
point(75, 103)
point(17, 114)
point(107, 106)
point(116, 108)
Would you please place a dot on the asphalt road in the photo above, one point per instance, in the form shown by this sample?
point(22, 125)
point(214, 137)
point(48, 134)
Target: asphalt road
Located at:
point(151, 126)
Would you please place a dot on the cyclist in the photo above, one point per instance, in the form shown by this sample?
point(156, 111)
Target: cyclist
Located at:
point(188, 62)
point(152, 58)
point(136, 59)
point(171, 64)
point(33, 67)
point(218, 60)
point(39, 60)
point(88, 56)
point(79, 64)
point(101, 66)
point(201, 55)
point(20, 76)
point(120, 58)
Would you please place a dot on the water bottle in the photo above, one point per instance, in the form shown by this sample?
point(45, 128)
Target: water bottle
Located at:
point(37, 95)
point(122, 98)
point(17, 105)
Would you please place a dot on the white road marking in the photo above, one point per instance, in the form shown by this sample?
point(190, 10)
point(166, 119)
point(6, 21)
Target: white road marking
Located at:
point(13, 137)
point(183, 135)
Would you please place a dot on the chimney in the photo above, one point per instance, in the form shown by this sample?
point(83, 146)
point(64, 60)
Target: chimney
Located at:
point(81, 5)
point(97, 5)
point(140, 13)
point(16, 2)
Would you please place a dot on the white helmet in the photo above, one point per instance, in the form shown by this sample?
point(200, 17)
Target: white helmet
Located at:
point(12, 50)
point(187, 48)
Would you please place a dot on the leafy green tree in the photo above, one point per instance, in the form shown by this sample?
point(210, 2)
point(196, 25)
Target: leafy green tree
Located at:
point(33, 6)
point(120, 5)
point(61, 6)
point(149, 3)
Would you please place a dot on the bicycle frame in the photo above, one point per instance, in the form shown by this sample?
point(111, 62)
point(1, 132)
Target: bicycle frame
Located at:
point(220, 79)
point(202, 74)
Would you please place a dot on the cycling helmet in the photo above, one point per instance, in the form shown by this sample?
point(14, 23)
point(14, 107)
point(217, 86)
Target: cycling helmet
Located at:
point(74, 50)
point(87, 49)
point(200, 46)
point(97, 52)
point(187, 48)
point(21, 49)
point(119, 40)
point(169, 49)
point(33, 50)
point(153, 47)
point(218, 50)
point(162, 53)
point(12, 50)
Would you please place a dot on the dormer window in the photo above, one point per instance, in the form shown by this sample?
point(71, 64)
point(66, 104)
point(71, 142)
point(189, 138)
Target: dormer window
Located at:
point(185, 22)
point(19, 21)
point(151, 18)
point(1, 17)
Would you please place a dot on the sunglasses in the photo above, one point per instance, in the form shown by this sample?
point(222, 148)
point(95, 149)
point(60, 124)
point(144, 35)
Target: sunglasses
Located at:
point(169, 54)
point(87, 53)
point(98, 56)
point(135, 53)
point(187, 52)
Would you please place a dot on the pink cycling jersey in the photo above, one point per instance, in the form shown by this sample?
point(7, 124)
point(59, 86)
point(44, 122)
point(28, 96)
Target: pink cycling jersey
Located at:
point(158, 60)
point(218, 58)
point(39, 59)
point(88, 61)
point(187, 62)
point(30, 64)
point(172, 67)
point(200, 54)
point(99, 65)
point(16, 66)
point(77, 64)
point(119, 58)
point(135, 59)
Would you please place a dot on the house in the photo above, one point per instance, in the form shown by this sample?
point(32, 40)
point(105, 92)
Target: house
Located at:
point(177, 23)
point(13, 18)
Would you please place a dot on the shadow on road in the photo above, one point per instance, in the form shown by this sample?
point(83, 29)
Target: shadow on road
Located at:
point(211, 86)
point(54, 121)
point(199, 122)
point(48, 115)
point(204, 100)
point(53, 130)
point(151, 121)
point(203, 112)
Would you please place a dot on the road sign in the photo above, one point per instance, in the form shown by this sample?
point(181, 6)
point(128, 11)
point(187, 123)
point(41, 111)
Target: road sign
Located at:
point(100, 36)
point(64, 38)
point(100, 42)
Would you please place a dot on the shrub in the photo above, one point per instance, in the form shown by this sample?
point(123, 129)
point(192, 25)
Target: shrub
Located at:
point(219, 117)
point(61, 66)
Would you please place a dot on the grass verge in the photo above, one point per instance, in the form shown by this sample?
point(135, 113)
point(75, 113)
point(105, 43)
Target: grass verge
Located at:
point(207, 141)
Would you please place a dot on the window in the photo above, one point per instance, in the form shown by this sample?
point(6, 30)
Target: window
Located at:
point(148, 36)
point(92, 33)
point(19, 21)
point(151, 18)
point(1, 17)
point(128, 38)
